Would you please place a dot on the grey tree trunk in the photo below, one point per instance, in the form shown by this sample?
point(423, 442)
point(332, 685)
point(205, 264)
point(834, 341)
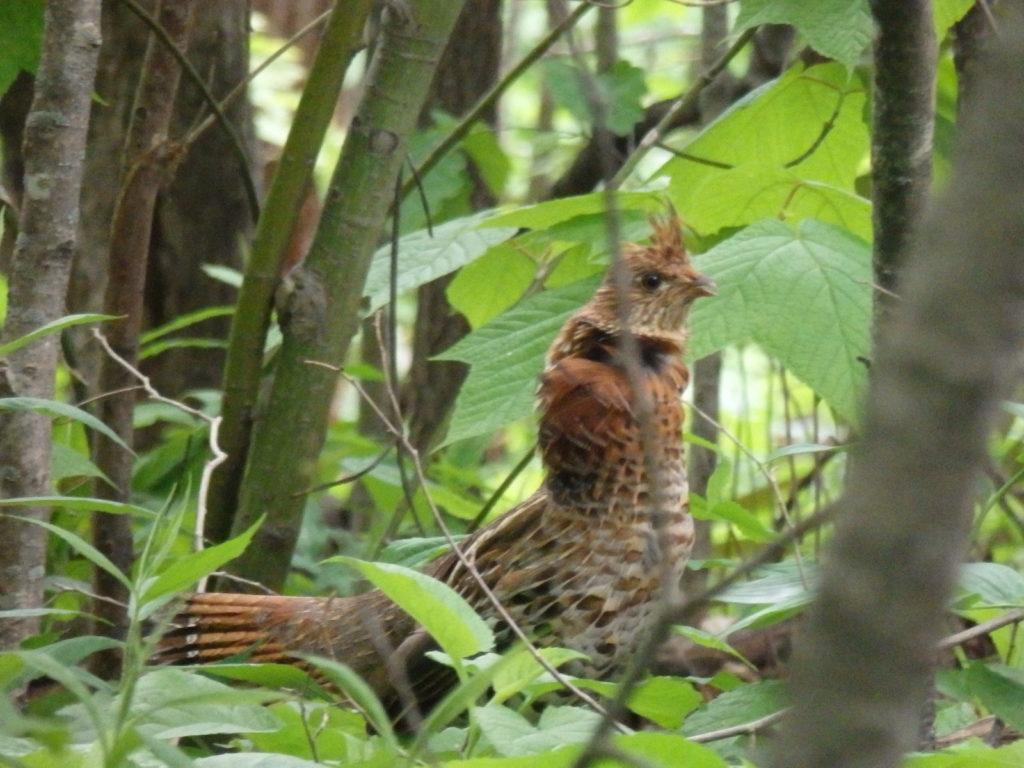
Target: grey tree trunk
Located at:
point(55, 136)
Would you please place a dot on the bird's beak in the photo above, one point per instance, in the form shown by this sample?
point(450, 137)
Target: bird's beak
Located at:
point(704, 286)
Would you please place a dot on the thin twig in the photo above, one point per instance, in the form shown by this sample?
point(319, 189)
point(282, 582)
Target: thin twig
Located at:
point(235, 140)
point(743, 729)
point(240, 88)
point(495, 497)
point(687, 100)
point(350, 478)
point(826, 129)
point(491, 97)
point(258, 586)
point(1010, 617)
point(217, 455)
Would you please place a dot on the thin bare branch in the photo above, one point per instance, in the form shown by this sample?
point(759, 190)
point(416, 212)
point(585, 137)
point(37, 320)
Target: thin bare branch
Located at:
point(217, 455)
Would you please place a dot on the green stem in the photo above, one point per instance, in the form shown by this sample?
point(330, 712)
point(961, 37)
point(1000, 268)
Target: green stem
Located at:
point(322, 312)
point(341, 40)
point(686, 102)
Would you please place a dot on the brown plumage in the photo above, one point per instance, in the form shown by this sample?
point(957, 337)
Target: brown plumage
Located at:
point(578, 563)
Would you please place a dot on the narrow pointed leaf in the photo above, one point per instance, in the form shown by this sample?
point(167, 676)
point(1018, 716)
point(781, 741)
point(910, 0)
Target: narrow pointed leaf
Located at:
point(60, 410)
point(52, 327)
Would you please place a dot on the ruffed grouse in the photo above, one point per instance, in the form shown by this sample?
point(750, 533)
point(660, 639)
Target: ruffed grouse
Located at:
point(578, 563)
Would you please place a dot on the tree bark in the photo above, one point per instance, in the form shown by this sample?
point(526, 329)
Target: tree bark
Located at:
point(202, 215)
point(55, 135)
point(281, 211)
point(14, 106)
point(321, 312)
point(970, 35)
point(148, 157)
point(946, 359)
point(903, 118)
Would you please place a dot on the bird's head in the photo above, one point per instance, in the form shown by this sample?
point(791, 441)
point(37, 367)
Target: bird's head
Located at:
point(662, 284)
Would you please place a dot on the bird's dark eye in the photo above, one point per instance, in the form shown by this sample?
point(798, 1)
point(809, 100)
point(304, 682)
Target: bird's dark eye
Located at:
point(651, 281)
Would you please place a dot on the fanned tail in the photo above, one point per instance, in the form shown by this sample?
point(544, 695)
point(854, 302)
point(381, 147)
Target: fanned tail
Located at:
point(256, 628)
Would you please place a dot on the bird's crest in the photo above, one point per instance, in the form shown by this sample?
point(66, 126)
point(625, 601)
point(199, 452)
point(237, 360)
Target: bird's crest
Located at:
point(658, 282)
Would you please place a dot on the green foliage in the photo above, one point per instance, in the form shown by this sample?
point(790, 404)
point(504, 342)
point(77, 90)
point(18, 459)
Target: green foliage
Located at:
point(21, 39)
point(436, 606)
point(424, 255)
point(804, 296)
point(811, 143)
point(60, 410)
point(187, 570)
point(68, 321)
point(1000, 689)
point(619, 89)
point(972, 755)
point(837, 29)
point(772, 195)
point(506, 355)
point(949, 12)
point(485, 288)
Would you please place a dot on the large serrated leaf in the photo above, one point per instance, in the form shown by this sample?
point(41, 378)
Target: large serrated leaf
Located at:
point(423, 257)
point(484, 289)
point(792, 148)
point(437, 607)
point(552, 212)
point(664, 700)
point(740, 196)
point(521, 668)
point(804, 296)
point(505, 356)
point(837, 29)
point(668, 750)
point(256, 760)
point(746, 703)
point(978, 756)
point(1000, 689)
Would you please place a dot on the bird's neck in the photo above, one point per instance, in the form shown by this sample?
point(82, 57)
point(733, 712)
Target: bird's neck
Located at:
point(603, 454)
point(585, 335)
